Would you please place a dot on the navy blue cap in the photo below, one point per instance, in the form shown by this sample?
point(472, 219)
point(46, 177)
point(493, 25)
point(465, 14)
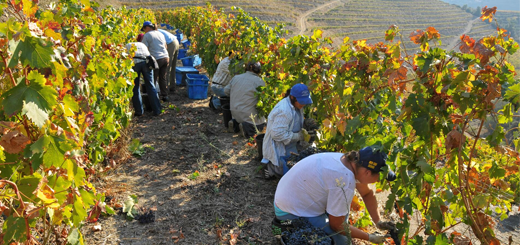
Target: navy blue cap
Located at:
point(301, 93)
point(375, 160)
point(145, 24)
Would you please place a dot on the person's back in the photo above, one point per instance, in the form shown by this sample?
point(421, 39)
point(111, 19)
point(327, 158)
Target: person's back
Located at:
point(243, 98)
point(156, 44)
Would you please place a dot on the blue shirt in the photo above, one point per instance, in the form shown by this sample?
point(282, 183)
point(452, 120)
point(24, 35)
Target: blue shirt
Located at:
point(167, 35)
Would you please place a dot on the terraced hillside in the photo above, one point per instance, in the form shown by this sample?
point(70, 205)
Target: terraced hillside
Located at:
point(271, 11)
point(369, 19)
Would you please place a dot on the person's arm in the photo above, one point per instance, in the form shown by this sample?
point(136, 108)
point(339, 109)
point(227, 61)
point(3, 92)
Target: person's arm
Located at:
point(369, 198)
point(281, 130)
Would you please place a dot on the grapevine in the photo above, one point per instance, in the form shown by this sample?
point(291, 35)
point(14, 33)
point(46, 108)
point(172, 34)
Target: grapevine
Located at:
point(423, 108)
point(64, 101)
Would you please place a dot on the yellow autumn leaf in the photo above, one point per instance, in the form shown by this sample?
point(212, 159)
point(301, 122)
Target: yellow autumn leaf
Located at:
point(317, 34)
point(53, 34)
point(46, 194)
point(282, 75)
point(29, 8)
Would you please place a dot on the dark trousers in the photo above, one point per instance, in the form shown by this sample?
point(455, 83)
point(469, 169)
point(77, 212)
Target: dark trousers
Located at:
point(160, 76)
point(141, 68)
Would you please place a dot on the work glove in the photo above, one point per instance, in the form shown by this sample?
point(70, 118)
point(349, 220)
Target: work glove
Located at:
point(305, 135)
point(297, 137)
point(377, 238)
point(386, 225)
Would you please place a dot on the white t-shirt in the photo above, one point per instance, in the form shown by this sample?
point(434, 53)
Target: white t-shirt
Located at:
point(316, 185)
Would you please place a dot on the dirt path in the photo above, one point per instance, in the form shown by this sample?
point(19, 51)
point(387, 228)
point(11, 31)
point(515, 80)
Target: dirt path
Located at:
point(456, 40)
point(301, 21)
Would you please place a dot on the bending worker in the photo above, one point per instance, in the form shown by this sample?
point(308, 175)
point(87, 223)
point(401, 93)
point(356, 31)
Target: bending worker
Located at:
point(285, 129)
point(320, 188)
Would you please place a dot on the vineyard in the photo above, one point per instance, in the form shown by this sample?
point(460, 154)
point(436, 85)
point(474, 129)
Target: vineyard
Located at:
point(65, 120)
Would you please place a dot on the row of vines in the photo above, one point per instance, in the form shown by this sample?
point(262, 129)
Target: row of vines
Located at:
point(426, 109)
point(65, 84)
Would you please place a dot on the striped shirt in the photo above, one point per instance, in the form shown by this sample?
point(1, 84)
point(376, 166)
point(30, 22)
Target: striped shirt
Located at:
point(280, 124)
point(222, 76)
point(141, 51)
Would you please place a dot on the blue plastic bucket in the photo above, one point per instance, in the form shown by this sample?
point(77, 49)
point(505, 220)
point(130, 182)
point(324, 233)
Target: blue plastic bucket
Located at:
point(182, 53)
point(187, 61)
point(197, 79)
point(181, 72)
point(198, 91)
point(179, 37)
point(186, 43)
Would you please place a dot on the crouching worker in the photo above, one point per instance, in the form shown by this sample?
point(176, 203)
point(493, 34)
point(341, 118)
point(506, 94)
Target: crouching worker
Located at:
point(320, 189)
point(241, 90)
point(285, 129)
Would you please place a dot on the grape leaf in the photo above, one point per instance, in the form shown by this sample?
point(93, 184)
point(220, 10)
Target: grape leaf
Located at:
point(33, 51)
point(37, 92)
point(513, 96)
point(28, 184)
point(75, 237)
point(14, 142)
point(487, 13)
point(35, 114)
point(14, 229)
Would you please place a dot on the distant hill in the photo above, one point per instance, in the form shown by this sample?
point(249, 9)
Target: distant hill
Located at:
point(500, 4)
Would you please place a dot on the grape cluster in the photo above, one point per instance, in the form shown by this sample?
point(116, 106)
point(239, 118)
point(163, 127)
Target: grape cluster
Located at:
point(394, 234)
point(295, 158)
point(304, 233)
point(145, 217)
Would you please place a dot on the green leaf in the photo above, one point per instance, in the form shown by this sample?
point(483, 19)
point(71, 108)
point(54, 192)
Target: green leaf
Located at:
point(14, 230)
point(37, 92)
point(513, 95)
point(497, 136)
point(506, 115)
point(425, 167)
point(496, 172)
point(480, 201)
point(55, 154)
point(109, 210)
point(75, 237)
point(79, 213)
point(33, 51)
point(35, 114)
point(27, 185)
point(74, 172)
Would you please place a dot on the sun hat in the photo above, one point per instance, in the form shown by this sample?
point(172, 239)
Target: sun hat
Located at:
point(147, 23)
point(375, 160)
point(301, 93)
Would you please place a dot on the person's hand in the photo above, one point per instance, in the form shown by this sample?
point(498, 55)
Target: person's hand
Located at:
point(377, 238)
point(386, 225)
point(297, 137)
point(305, 135)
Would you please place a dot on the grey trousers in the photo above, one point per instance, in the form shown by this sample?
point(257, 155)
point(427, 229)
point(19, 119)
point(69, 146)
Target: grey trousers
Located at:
point(173, 52)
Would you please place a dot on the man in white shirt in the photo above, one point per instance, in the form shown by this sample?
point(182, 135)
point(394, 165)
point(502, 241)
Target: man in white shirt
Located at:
point(241, 90)
point(156, 44)
point(320, 188)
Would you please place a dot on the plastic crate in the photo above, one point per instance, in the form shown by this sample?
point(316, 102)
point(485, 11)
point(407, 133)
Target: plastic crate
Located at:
point(186, 43)
point(198, 91)
point(179, 37)
point(187, 61)
point(197, 86)
point(182, 53)
point(181, 72)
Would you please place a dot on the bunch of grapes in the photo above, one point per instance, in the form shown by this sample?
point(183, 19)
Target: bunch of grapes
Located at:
point(295, 158)
point(394, 234)
point(304, 233)
point(145, 216)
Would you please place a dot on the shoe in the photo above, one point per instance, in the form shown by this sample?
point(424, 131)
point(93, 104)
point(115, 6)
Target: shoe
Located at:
point(230, 127)
point(268, 175)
